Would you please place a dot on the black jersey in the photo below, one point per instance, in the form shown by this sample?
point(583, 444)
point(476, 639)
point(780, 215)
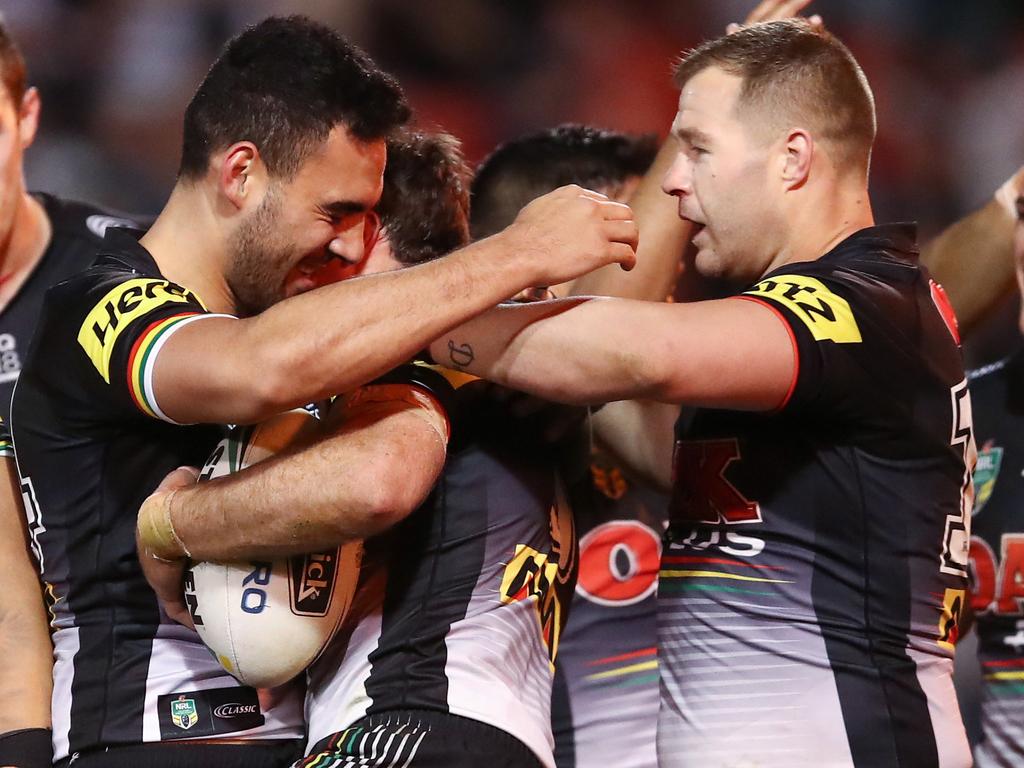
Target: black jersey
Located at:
point(460, 607)
point(92, 444)
point(77, 231)
point(997, 558)
point(604, 707)
point(815, 563)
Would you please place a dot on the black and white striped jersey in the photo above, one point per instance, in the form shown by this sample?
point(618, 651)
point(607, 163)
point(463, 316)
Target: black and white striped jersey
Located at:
point(92, 444)
point(816, 562)
point(461, 606)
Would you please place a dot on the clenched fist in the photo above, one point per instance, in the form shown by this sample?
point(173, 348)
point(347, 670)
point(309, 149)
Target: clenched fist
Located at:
point(569, 232)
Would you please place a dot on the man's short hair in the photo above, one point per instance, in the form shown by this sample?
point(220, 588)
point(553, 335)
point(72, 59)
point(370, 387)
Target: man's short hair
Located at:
point(424, 208)
point(284, 84)
point(795, 74)
point(12, 65)
point(528, 167)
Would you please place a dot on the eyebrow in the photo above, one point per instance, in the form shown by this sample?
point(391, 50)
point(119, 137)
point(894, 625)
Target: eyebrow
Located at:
point(340, 209)
point(692, 136)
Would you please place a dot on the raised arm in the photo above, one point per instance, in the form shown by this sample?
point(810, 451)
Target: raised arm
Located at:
point(730, 353)
point(26, 674)
point(327, 341)
point(973, 258)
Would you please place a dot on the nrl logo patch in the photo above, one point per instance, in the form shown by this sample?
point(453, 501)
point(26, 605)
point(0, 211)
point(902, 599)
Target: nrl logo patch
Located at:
point(183, 713)
point(985, 473)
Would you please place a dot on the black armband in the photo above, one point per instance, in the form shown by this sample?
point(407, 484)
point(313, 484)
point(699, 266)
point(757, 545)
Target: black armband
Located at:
point(27, 748)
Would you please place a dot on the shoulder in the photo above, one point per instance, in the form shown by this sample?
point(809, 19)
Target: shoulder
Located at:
point(74, 220)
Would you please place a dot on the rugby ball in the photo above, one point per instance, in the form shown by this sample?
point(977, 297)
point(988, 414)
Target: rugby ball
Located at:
point(267, 621)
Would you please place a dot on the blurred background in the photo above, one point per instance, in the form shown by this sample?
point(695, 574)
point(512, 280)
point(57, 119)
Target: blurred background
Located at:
point(115, 76)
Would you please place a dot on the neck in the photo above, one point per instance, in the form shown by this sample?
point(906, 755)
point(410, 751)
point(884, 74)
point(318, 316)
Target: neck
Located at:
point(187, 244)
point(822, 218)
point(24, 245)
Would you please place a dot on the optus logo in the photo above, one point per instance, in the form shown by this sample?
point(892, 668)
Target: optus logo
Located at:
point(619, 563)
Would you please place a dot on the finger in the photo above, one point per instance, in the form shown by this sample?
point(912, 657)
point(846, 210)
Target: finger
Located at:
point(788, 9)
point(623, 255)
point(761, 10)
point(613, 211)
point(179, 613)
point(181, 477)
point(623, 232)
point(591, 194)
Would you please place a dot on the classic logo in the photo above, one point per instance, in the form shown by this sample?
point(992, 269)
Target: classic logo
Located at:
point(183, 713)
point(114, 312)
point(985, 473)
point(826, 315)
point(311, 582)
point(227, 711)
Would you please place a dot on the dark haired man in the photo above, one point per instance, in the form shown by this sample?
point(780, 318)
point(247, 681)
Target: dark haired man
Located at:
point(43, 240)
point(444, 658)
point(815, 564)
point(282, 162)
point(604, 707)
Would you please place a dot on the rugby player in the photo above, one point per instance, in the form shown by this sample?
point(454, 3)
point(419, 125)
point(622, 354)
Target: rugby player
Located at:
point(604, 707)
point(445, 657)
point(815, 563)
point(140, 356)
point(43, 240)
point(997, 544)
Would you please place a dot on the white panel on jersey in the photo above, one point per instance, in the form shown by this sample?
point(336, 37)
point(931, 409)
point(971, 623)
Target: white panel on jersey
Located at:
point(267, 621)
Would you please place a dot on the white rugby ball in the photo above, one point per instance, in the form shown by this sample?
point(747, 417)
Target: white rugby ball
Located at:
point(267, 621)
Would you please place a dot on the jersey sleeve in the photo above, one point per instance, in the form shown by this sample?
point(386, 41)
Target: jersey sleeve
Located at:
point(121, 331)
point(825, 325)
point(6, 446)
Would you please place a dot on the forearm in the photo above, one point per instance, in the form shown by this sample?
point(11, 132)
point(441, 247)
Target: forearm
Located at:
point(641, 434)
point(349, 486)
point(327, 341)
point(663, 239)
point(26, 675)
point(577, 351)
point(973, 260)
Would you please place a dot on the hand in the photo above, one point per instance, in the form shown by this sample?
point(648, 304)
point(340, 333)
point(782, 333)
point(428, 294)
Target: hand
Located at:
point(165, 575)
point(775, 10)
point(571, 231)
point(1010, 192)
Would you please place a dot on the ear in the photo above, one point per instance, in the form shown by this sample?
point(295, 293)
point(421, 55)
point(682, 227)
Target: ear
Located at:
point(799, 152)
point(28, 117)
point(243, 176)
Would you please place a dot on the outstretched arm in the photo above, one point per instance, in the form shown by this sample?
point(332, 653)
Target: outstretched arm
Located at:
point(324, 342)
point(730, 353)
point(973, 258)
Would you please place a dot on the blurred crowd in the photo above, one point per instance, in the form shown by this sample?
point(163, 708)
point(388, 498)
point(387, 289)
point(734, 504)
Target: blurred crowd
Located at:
point(116, 74)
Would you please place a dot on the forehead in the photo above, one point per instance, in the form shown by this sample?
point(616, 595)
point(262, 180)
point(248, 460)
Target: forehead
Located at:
point(344, 168)
point(707, 101)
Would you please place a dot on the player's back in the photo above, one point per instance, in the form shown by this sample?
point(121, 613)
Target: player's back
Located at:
point(89, 451)
point(816, 563)
point(460, 607)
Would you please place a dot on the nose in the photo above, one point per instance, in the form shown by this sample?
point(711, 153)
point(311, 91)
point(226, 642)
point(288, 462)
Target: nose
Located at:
point(678, 179)
point(352, 244)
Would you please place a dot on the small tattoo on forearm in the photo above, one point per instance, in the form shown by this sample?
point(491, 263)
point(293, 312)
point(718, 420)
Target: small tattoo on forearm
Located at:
point(460, 355)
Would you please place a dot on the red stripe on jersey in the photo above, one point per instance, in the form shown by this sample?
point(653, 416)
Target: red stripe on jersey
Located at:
point(792, 340)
